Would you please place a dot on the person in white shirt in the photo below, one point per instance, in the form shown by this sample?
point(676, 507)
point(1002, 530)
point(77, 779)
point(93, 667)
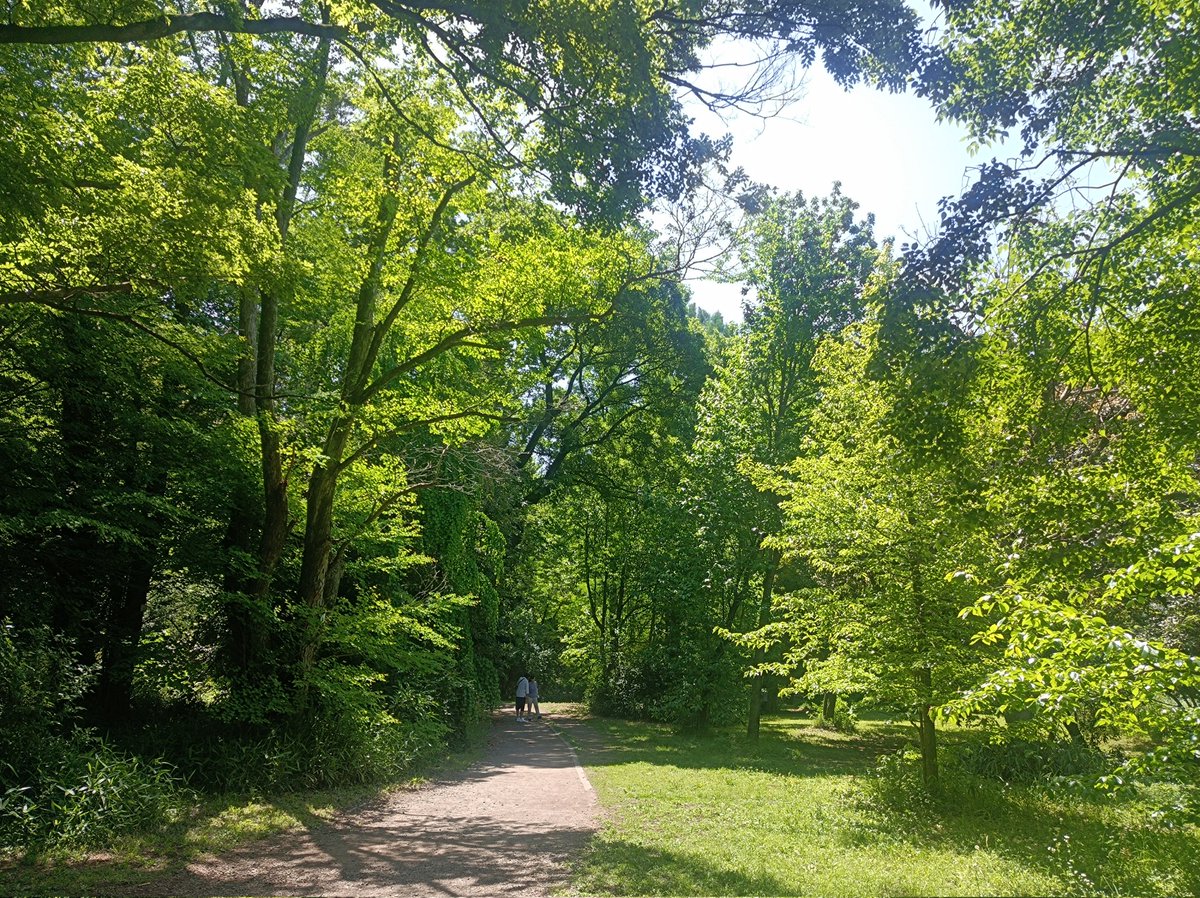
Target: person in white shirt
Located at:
point(522, 694)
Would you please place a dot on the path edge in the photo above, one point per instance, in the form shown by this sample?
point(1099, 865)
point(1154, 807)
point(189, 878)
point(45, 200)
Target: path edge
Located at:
point(579, 771)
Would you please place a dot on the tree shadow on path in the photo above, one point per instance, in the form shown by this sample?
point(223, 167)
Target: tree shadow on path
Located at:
point(620, 867)
point(510, 824)
point(417, 856)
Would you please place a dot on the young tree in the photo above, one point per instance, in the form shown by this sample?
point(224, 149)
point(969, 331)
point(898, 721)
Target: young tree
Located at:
point(1090, 586)
point(807, 263)
point(880, 530)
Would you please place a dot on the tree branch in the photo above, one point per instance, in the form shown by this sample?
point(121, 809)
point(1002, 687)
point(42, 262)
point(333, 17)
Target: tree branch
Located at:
point(384, 327)
point(408, 426)
point(133, 322)
point(165, 26)
point(59, 294)
point(455, 339)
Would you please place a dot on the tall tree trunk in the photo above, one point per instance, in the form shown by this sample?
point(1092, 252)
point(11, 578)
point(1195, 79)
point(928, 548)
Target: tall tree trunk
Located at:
point(322, 483)
point(128, 596)
point(928, 731)
point(145, 470)
point(275, 486)
point(764, 618)
point(366, 343)
point(318, 538)
point(275, 510)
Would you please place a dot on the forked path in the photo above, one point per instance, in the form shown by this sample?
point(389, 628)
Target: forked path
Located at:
point(507, 825)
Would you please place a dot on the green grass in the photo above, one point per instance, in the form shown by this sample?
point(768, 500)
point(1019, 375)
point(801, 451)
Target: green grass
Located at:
point(801, 814)
point(214, 825)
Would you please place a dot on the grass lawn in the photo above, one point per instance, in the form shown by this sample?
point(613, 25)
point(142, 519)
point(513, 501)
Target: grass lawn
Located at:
point(802, 814)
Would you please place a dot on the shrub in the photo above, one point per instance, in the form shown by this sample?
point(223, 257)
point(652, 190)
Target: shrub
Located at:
point(61, 786)
point(40, 687)
point(84, 793)
point(681, 688)
point(332, 744)
point(844, 719)
point(1027, 760)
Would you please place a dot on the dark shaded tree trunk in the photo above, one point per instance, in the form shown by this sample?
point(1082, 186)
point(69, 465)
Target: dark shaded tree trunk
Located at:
point(764, 617)
point(275, 510)
point(247, 640)
point(829, 705)
point(128, 596)
point(927, 729)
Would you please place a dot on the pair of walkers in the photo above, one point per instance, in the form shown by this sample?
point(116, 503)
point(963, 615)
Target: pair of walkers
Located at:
point(527, 699)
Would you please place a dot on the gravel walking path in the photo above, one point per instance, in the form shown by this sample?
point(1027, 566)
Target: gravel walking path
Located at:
point(507, 825)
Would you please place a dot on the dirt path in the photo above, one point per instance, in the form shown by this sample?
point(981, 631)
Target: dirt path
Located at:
point(507, 825)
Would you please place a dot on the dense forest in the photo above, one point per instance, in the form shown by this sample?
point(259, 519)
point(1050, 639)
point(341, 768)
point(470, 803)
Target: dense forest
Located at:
point(348, 371)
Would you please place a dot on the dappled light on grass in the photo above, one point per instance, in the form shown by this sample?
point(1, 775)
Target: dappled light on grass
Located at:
point(239, 822)
point(813, 812)
point(217, 825)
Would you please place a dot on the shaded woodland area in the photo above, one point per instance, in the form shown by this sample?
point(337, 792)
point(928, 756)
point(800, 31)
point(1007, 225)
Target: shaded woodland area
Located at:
point(343, 380)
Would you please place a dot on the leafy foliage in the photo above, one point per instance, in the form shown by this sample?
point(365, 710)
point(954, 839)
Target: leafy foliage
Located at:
point(338, 388)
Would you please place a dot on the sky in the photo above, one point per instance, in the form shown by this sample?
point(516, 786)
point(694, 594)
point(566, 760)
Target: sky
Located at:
point(889, 151)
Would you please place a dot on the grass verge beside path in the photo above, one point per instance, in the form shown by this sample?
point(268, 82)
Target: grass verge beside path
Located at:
point(804, 813)
point(215, 825)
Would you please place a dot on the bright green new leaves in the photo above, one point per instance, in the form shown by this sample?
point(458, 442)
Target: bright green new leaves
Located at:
point(1067, 665)
point(807, 263)
point(1084, 442)
point(127, 195)
point(596, 83)
point(879, 532)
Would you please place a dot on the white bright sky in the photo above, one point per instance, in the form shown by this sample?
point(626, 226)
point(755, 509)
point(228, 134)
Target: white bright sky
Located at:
point(889, 151)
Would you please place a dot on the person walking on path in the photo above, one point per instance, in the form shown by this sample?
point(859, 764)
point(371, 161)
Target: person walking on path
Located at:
point(534, 708)
point(522, 694)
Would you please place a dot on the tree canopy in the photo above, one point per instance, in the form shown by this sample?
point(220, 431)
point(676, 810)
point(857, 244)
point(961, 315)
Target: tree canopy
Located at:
point(343, 379)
